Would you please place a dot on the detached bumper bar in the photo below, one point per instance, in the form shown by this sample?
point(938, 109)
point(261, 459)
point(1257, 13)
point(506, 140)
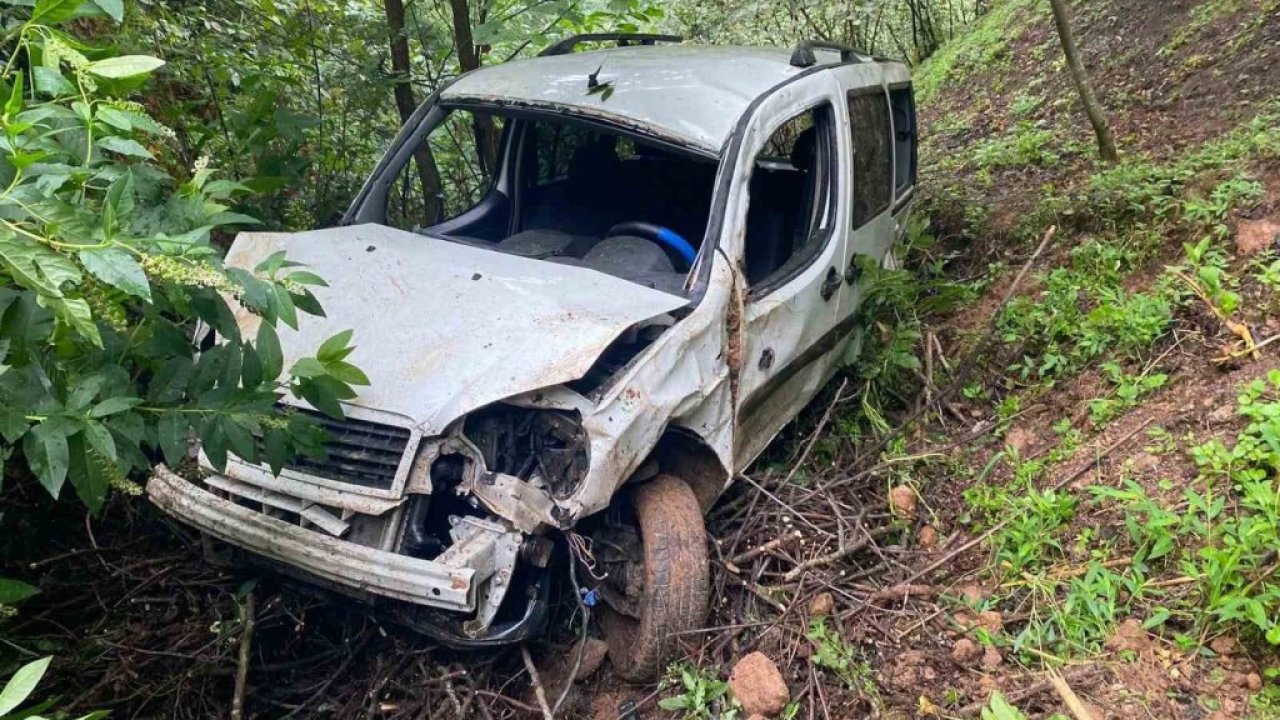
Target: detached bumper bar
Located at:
point(421, 582)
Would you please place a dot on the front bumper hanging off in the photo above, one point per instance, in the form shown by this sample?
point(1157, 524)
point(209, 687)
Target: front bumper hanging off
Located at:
point(421, 582)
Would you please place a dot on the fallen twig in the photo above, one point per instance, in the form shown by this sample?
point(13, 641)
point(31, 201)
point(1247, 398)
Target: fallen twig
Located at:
point(838, 555)
point(1017, 696)
point(902, 591)
point(538, 690)
point(1069, 696)
point(734, 563)
point(242, 665)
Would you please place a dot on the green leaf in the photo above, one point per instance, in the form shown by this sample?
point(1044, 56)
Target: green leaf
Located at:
point(76, 314)
point(15, 591)
point(214, 443)
point(240, 440)
point(284, 307)
point(679, 702)
point(45, 448)
point(118, 269)
point(268, 347)
point(332, 349)
point(89, 460)
point(115, 118)
point(113, 8)
point(114, 405)
point(276, 449)
point(124, 66)
point(321, 397)
point(308, 368)
point(125, 146)
point(20, 686)
point(250, 369)
point(51, 82)
point(13, 424)
point(304, 277)
point(171, 432)
point(347, 373)
point(14, 105)
point(21, 259)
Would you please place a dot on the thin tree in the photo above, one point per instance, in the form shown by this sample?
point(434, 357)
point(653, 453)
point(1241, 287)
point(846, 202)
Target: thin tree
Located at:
point(428, 173)
point(1106, 143)
point(482, 126)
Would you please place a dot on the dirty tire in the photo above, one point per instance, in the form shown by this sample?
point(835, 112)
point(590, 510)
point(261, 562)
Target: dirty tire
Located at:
point(677, 580)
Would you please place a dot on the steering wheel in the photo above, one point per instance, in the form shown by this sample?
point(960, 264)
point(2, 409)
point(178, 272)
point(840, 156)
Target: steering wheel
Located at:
point(671, 241)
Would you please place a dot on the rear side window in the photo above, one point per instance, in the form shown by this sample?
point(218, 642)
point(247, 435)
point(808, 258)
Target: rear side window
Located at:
point(904, 139)
point(872, 155)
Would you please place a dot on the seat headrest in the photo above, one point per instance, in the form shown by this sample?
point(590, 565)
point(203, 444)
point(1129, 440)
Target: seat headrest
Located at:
point(803, 152)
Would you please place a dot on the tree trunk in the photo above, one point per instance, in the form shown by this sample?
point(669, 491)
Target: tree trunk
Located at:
point(469, 59)
point(1106, 143)
point(428, 173)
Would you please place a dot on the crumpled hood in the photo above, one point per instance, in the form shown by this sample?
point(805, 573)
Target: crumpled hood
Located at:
point(441, 328)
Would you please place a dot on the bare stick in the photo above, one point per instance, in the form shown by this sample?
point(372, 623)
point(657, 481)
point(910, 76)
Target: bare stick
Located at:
point(744, 557)
point(1017, 696)
point(1069, 696)
point(242, 666)
point(839, 554)
point(538, 690)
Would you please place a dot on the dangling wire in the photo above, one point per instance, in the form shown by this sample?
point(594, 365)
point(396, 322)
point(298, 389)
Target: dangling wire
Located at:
point(580, 548)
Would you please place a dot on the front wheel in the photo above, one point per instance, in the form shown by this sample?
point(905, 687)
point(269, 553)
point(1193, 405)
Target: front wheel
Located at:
point(665, 582)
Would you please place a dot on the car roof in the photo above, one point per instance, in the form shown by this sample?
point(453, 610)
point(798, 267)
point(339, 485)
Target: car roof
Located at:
point(689, 94)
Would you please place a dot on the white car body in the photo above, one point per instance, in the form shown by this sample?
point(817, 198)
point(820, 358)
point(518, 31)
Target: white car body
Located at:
point(446, 330)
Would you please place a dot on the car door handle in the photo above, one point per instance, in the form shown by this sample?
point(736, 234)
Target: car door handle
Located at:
point(830, 284)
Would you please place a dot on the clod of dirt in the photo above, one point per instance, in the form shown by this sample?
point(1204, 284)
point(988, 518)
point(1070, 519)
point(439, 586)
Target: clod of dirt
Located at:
point(910, 668)
point(1021, 440)
point(1224, 645)
point(991, 621)
point(1224, 413)
point(757, 716)
point(972, 593)
point(1253, 681)
point(902, 499)
point(991, 658)
point(965, 652)
point(593, 653)
point(1129, 635)
point(758, 685)
point(1146, 463)
point(928, 537)
point(1255, 236)
point(822, 605)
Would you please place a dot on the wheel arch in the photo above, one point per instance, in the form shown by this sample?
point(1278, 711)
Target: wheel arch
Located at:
point(685, 454)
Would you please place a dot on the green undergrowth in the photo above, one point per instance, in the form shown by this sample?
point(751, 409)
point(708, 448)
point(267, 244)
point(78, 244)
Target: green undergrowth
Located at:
point(1193, 559)
point(1143, 249)
point(984, 48)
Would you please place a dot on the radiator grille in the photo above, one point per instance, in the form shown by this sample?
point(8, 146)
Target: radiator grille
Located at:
point(359, 452)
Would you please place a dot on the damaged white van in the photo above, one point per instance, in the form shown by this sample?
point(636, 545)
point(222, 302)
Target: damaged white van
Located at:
point(588, 289)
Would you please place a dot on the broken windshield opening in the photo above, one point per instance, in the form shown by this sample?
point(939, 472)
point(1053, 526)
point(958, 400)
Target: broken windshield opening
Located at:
point(560, 190)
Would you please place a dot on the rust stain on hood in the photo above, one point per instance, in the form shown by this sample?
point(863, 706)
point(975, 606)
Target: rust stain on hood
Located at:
point(442, 328)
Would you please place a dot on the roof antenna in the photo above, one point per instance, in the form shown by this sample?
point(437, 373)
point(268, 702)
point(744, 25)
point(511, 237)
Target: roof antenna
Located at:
point(595, 87)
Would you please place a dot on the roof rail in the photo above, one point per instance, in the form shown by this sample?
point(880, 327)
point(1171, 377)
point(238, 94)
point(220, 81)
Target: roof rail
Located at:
point(566, 46)
point(802, 55)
